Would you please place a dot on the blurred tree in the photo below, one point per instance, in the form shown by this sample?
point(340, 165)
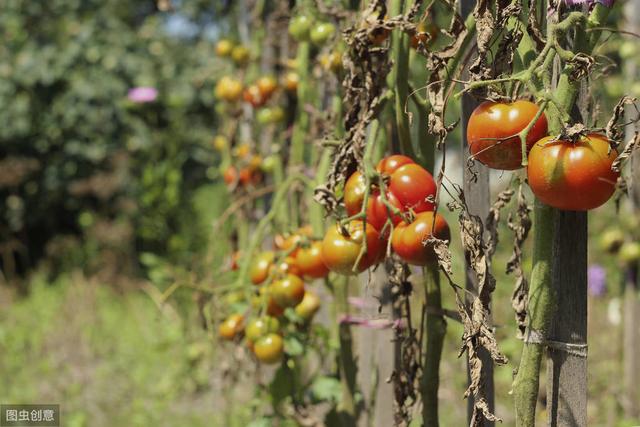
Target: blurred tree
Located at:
point(76, 156)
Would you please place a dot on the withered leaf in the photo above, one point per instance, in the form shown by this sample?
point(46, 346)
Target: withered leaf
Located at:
point(613, 130)
point(631, 146)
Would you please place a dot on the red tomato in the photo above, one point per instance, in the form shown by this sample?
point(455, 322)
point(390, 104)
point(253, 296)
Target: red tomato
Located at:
point(230, 175)
point(269, 348)
point(310, 263)
point(411, 184)
point(339, 252)
point(273, 309)
point(407, 239)
point(572, 176)
point(235, 257)
point(260, 267)
point(492, 132)
point(389, 164)
point(249, 176)
point(288, 291)
point(377, 212)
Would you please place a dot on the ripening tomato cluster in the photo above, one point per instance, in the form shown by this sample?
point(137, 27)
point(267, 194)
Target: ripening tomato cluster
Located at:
point(622, 243)
point(247, 168)
point(402, 200)
point(257, 93)
point(240, 54)
point(567, 174)
point(280, 277)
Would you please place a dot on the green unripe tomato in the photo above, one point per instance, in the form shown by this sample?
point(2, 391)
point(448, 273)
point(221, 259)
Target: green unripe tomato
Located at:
point(611, 240)
point(240, 55)
point(268, 164)
point(260, 327)
point(629, 253)
point(264, 116)
point(299, 27)
point(234, 297)
point(321, 33)
point(628, 49)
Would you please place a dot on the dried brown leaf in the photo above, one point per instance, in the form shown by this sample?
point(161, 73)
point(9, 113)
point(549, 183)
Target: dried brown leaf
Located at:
point(613, 130)
point(630, 147)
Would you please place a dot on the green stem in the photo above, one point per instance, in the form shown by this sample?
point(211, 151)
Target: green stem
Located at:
point(282, 216)
point(435, 328)
point(541, 308)
point(301, 124)
point(346, 362)
point(400, 79)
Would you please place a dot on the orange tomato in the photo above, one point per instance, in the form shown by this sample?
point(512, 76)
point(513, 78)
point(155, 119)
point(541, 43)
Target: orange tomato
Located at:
point(290, 81)
point(231, 327)
point(288, 291)
point(267, 85)
point(269, 349)
point(340, 252)
point(309, 306)
point(260, 267)
point(309, 261)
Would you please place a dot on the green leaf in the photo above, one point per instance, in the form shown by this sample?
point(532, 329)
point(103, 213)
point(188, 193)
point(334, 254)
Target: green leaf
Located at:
point(326, 389)
point(282, 385)
point(293, 346)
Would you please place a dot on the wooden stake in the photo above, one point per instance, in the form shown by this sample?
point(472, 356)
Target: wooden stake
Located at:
point(477, 196)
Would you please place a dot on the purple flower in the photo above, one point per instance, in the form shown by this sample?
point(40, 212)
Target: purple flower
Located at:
point(607, 3)
point(361, 302)
point(142, 95)
point(371, 323)
point(597, 280)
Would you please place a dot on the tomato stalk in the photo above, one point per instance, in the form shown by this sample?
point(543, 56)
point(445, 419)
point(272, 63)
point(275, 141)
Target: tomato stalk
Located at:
point(301, 124)
point(436, 328)
point(347, 366)
point(542, 295)
point(399, 78)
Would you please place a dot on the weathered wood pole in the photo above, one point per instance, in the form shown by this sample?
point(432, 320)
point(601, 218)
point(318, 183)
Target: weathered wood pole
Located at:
point(477, 196)
point(631, 328)
point(567, 337)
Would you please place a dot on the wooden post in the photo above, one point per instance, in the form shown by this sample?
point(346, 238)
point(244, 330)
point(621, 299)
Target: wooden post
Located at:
point(567, 365)
point(567, 337)
point(477, 196)
point(631, 308)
